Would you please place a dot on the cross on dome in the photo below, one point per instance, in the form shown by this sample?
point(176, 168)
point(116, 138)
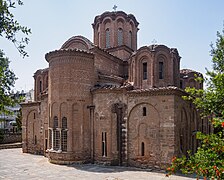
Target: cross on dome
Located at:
point(115, 7)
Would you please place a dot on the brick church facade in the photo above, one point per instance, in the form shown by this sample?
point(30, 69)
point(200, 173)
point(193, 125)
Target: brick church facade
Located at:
point(111, 102)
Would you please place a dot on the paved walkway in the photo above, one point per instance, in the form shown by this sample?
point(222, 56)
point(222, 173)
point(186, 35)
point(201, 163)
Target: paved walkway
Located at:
point(17, 165)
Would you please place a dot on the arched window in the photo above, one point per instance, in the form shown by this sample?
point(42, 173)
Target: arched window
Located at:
point(161, 70)
point(144, 67)
point(143, 149)
point(130, 39)
point(144, 111)
point(120, 37)
point(107, 38)
point(56, 134)
point(64, 135)
point(64, 123)
point(55, 122)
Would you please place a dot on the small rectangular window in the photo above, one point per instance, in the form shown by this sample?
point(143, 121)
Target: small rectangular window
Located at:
point(143, 149)
point(144, 71)
point(144, 111)
point(161, 70)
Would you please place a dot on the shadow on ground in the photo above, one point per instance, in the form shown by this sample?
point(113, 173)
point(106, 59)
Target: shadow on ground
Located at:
point(96, 168)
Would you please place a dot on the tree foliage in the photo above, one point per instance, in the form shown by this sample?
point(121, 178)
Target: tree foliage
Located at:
point(19, 120)
point(7, 81)
point(208, 161)
point(10, 28)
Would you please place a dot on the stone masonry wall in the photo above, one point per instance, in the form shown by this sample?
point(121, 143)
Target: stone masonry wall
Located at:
point(106, 121)
point(155, 129)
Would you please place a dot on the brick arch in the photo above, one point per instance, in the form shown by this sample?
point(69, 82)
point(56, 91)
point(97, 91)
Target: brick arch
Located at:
point(131, 28)
point(193, 129)
point(167, 79)
point(31, 128)
point(120, 19)
point(77, 42)
point(143, 57)
point(77, 143)
point(106, 20)
point(144, 129)
point(63, 111)
point(142, 105)
point(131, 25)
point(183, 131)
point(106, 25)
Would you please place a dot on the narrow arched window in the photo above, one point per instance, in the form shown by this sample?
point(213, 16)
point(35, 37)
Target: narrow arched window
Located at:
point(130, 39)
point(143, 149)
point(107, 38)
point(144, 67)
point(161, 70)
point(104, 144)
point(56, 134)
point(40, 86)
point(55, 121)
point(120, 37)
point(64, 123)
point(144, 111)
point(64, 134)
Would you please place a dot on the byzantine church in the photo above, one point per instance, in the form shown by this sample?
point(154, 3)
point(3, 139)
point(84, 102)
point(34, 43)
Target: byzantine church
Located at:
point(110, 102)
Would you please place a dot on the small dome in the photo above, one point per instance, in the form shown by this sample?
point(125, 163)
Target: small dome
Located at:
point(78, 42)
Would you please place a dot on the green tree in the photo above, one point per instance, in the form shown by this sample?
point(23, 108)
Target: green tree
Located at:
point(19, 120)
point(7, 81)
point(10, 29)
point(208, 161)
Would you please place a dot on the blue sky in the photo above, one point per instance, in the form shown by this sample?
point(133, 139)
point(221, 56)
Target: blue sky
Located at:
point(190, 26)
